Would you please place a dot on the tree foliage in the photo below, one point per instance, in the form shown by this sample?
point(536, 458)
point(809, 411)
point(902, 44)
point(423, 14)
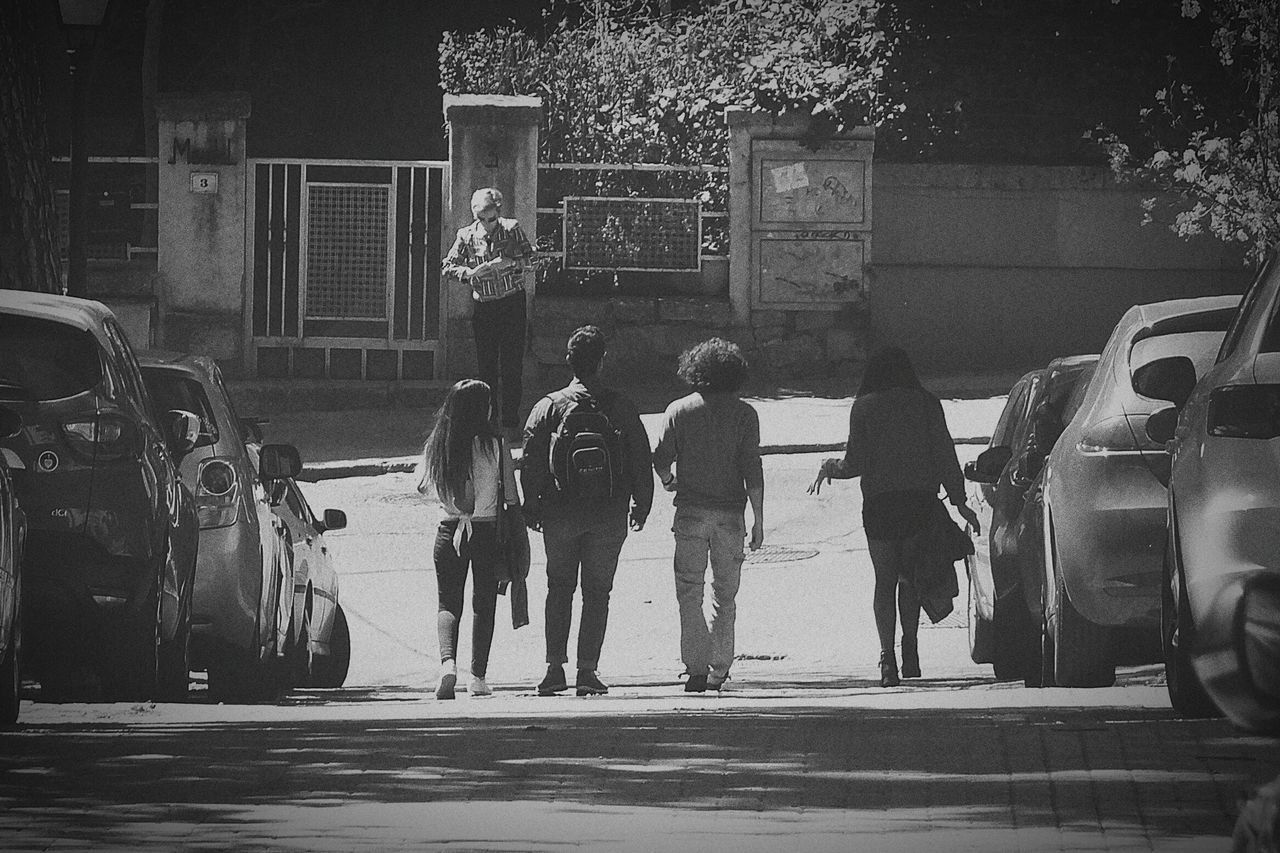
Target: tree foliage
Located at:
point(28, 236)
point(1224, 166)
point(622, 84)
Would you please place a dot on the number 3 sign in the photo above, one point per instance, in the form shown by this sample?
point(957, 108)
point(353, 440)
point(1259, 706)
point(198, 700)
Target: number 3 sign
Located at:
point(204, 182)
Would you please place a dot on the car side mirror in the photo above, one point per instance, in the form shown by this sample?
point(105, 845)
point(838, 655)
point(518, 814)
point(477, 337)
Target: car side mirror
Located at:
point(989, 465)
point(279, 462)
point(1029, 466)
point(1172, 379)
point(10, 423)
point(1162, 425)
point(181, 431)
point(334, 519)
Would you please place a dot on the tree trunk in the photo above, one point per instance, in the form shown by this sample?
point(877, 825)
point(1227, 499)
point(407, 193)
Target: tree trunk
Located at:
point(28, 218)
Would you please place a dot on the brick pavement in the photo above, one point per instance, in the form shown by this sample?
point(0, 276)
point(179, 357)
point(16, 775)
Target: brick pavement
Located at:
point(649, 770)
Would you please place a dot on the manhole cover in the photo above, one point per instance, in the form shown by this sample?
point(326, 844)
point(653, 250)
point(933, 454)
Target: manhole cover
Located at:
point(780, 554)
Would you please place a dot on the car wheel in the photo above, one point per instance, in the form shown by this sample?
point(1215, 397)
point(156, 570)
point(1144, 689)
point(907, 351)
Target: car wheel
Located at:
point(173, 661)
point(1177, 632)
point(1081, 649)
point(1013, 634)
point(981, 632)
point(331, 670)
point(298, 662)
point(11, 675)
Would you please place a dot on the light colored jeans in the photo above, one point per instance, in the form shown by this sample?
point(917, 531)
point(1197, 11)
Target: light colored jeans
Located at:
point(707, 648)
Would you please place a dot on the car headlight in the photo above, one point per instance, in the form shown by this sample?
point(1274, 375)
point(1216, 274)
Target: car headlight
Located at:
point(1258, 634)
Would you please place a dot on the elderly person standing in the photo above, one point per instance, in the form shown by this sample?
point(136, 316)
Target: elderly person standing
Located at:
point(491, 254)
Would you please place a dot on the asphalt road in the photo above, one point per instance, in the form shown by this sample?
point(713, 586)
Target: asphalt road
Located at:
point(803, 751)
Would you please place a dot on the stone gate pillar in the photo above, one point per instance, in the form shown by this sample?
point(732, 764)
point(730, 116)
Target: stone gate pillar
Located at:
point(493, 142)
point(800, 240)
point(201, 265)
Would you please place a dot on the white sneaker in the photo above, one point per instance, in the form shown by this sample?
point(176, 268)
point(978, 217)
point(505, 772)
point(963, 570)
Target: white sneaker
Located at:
point(479, 687)
point(448, 681)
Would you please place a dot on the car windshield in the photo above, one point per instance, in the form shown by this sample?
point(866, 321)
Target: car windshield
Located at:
point(171, 389)
point(46, 360)
point(1200, 347)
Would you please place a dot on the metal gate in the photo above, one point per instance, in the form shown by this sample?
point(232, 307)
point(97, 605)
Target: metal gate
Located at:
point(344, 260)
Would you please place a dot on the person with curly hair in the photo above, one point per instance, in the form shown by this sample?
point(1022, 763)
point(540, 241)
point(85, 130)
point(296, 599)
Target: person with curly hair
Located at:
point(713, 439)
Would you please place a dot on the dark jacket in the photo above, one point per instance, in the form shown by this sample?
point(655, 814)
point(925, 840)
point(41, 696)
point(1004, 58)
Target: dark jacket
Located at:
point(541, 498)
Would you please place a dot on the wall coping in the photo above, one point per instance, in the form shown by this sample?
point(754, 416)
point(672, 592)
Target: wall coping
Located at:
point(192, 106)
point(493, 109)
point(993, 177)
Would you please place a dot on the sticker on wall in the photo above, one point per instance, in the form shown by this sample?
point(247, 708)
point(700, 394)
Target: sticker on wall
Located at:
point(47, 461)
point(788, 178)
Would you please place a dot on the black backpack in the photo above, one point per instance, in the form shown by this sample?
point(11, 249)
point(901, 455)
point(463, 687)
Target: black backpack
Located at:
point(586, 453)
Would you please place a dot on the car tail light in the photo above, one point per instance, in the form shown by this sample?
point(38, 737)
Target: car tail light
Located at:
point(1111, 434)
point(1245, 411)
point(217, 494)
point(102, 437)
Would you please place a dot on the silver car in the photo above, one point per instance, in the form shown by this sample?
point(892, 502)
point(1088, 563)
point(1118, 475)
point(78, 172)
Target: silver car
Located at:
point(254, 623)
point(1221, 582)
point(1104, 499)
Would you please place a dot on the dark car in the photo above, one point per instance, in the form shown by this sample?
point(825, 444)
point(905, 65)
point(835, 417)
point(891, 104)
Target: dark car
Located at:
point(265, 594)
point(13, 530)
point(112, 530)
point(1002, 630)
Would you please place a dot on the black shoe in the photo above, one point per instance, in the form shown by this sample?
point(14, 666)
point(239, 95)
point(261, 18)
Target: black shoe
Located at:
point(888, 670)
point(696, 684)
point(910, 662)
point(589, 684)
point(554, 681)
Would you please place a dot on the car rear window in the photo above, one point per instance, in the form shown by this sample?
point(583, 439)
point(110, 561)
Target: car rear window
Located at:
point(171, 389)
point(45, 359)
point(1200, 347)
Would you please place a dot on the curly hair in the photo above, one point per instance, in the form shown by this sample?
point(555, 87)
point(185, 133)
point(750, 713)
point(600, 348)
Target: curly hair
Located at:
point(713, 365)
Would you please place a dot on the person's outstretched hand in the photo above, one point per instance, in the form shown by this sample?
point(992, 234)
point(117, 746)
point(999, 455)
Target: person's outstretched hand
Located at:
point(757, 536)
point(971, 518)
point(823, 478)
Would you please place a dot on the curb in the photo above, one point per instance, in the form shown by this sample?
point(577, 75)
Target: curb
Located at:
point(401, 465)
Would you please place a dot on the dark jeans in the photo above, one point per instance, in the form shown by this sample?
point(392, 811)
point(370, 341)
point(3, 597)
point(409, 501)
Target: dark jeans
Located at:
point(481, 552)
point(591, 544)
point(499, 328)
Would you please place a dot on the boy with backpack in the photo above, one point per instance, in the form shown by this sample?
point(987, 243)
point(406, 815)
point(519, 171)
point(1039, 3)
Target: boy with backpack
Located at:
point(586, 463)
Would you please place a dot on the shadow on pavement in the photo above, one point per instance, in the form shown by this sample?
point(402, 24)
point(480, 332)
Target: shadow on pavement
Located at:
point(1135, 770)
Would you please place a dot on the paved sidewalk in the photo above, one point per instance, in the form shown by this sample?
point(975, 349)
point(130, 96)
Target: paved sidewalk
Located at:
point(366, 442)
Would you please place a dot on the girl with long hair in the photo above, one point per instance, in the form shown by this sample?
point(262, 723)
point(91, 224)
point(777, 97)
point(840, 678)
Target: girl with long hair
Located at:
point(900, 446)
point(469, 466)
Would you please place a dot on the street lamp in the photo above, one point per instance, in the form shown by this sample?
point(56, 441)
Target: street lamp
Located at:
point(80, 21)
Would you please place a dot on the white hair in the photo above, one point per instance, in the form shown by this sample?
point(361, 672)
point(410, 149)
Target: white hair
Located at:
point(485, 198)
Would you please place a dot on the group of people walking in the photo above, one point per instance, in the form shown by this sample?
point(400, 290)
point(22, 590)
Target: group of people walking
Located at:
point(586, 479)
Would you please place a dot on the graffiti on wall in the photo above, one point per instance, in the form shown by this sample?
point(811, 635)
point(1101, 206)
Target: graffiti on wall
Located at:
point(812, 191)
point(804, 267)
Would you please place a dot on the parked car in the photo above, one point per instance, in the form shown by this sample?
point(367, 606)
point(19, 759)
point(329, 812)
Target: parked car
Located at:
point(257, 626)
point(1002, 631)
point(1104, 497)
point(319, 621)
point(1220, 602)
point(13, 534)
point(112, 530)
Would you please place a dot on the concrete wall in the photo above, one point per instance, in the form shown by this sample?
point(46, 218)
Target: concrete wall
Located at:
point(201, 262)
point(981, 267)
